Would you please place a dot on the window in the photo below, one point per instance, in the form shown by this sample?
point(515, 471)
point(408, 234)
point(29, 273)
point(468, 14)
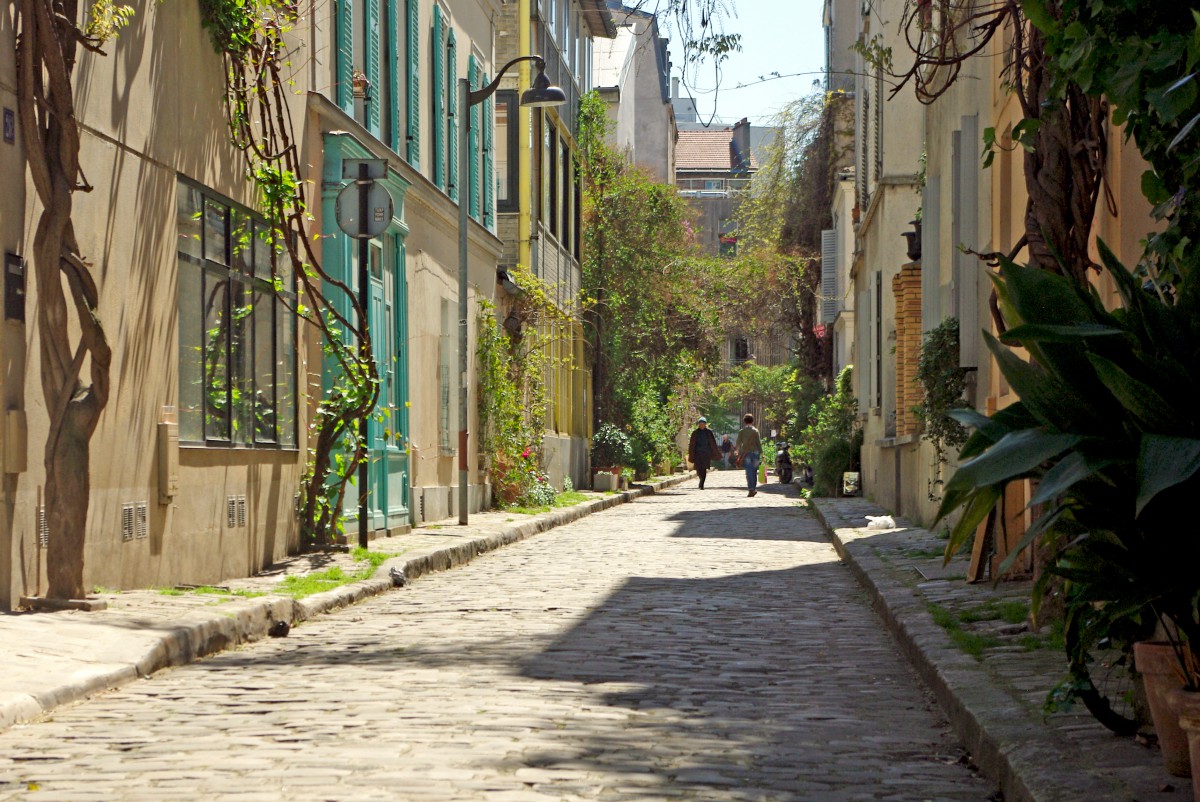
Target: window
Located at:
point(438, 49)
point(564, 185)
point(474, 74)
point(741, 349)
point(412, 87)
point(237, 335)
point(506, 150)
point(452, 101)
point(550, 173)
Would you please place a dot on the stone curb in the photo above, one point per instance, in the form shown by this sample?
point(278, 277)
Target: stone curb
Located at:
point(198, 633)
point(1010, 746)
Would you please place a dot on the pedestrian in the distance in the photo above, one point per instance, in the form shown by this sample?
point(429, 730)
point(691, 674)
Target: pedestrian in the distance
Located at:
point(702, 447)
point(726, 450)
point(749, 451)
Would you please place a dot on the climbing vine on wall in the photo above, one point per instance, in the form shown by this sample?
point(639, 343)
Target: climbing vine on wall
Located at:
point(514, 357)
point(251, 36)
point(942, 385)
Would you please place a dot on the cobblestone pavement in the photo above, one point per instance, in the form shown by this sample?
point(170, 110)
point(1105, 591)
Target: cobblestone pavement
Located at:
point(693, 645)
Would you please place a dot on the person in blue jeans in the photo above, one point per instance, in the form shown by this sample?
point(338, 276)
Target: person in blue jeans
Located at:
point(749, 450)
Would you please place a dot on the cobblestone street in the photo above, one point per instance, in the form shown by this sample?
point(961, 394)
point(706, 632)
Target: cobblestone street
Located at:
point(692, 645)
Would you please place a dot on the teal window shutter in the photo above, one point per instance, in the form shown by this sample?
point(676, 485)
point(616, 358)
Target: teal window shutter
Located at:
point(439, 99)
point(473, 143)
point(371, 35)
point(489, 177)
point(392, 57)
point(345, 54)
point(452, 116)
point(412, 99)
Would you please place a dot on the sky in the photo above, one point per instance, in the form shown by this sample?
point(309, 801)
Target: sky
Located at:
point(778, 36)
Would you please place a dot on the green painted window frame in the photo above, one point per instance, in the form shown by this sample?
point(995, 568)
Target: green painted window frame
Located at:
point(412, 98)
point(438, 98)
point(489, 176)
point(373, 62)
point(452, 116)
point(473, 76)
point(344, 68)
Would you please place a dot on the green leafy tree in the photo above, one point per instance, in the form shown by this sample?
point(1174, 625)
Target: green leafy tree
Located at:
point(831, 442)
point(769, 388)
point(649, 314)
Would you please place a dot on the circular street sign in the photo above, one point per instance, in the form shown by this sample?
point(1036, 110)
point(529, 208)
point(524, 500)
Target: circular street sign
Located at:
point(379, 211)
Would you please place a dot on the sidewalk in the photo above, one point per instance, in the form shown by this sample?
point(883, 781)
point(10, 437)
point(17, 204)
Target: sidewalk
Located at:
point(994, 701)
point(53, 658)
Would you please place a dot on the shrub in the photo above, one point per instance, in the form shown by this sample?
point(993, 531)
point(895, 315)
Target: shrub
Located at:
point(610, 447)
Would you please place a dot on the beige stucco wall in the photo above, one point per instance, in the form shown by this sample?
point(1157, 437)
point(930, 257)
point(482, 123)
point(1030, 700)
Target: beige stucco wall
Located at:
point(151, 110)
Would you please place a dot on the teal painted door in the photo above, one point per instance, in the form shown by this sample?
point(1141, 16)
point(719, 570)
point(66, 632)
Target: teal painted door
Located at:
point(389, 435)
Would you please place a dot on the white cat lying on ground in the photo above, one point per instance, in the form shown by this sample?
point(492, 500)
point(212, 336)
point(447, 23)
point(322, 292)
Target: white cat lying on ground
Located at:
point(880, 522)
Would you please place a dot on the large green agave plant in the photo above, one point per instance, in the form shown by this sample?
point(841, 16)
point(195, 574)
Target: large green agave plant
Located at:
point(1108, 427)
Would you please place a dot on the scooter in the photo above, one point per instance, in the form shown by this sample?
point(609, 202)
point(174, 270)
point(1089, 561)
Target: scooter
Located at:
point(783, 464)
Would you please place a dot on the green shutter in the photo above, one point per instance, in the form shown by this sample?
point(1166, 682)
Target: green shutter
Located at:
point(371, 36)
point(345, 55)
point(393, 88)
point(412, 100)
point(473, 142)
point(452, 115)
point(489, 177)
point(438, 48)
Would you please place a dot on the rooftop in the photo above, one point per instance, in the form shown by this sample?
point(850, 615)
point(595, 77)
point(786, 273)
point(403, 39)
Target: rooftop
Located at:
point(708, 150)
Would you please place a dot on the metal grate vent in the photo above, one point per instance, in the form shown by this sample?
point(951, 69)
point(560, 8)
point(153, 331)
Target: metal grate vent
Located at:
point(230, 511)
point(241, 510)
point(127, 521)
point(141, 520)
point(43, 527)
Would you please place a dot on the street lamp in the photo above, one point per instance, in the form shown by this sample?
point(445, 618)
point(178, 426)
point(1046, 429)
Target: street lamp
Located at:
point(541, 94)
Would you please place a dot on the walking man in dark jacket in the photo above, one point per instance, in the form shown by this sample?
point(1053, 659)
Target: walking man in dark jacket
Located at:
point(702, 448)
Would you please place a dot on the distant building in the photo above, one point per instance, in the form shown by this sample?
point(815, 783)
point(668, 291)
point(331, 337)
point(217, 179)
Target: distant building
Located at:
point(631, 72)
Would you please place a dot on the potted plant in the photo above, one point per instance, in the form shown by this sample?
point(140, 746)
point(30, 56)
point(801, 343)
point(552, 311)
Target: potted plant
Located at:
point(611, 451)
point(1108, 429)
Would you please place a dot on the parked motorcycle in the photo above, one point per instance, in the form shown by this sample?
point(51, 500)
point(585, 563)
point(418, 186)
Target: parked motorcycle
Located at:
point(783, 464)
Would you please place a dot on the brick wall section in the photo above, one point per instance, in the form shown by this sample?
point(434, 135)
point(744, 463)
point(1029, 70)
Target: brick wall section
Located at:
point(906, 288)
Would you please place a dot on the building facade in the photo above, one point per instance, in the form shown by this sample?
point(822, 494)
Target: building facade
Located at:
point(198, 456)
point(632, 73)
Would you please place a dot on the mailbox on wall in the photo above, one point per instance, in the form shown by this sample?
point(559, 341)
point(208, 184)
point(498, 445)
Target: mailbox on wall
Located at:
point(14, 287)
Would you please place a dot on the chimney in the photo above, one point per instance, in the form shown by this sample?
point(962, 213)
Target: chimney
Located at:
point(741, 144)
point(674, 88)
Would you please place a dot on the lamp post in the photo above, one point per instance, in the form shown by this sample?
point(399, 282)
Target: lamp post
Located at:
point(541, 94)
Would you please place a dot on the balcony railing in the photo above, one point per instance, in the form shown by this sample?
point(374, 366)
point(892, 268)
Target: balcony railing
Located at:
point(715, 187)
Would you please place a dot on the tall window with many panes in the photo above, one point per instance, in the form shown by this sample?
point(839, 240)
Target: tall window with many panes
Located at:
point(237, 330)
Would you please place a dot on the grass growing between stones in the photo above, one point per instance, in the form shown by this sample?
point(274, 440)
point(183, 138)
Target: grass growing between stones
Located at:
point(209, 590)
point(567, 499)
point(972, 643)
point(300, 586)
point(1010, 611)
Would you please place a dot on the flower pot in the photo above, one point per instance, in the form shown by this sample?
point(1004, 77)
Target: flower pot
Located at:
point(604, 481)
point(1188, 705)
point(1156, 662)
